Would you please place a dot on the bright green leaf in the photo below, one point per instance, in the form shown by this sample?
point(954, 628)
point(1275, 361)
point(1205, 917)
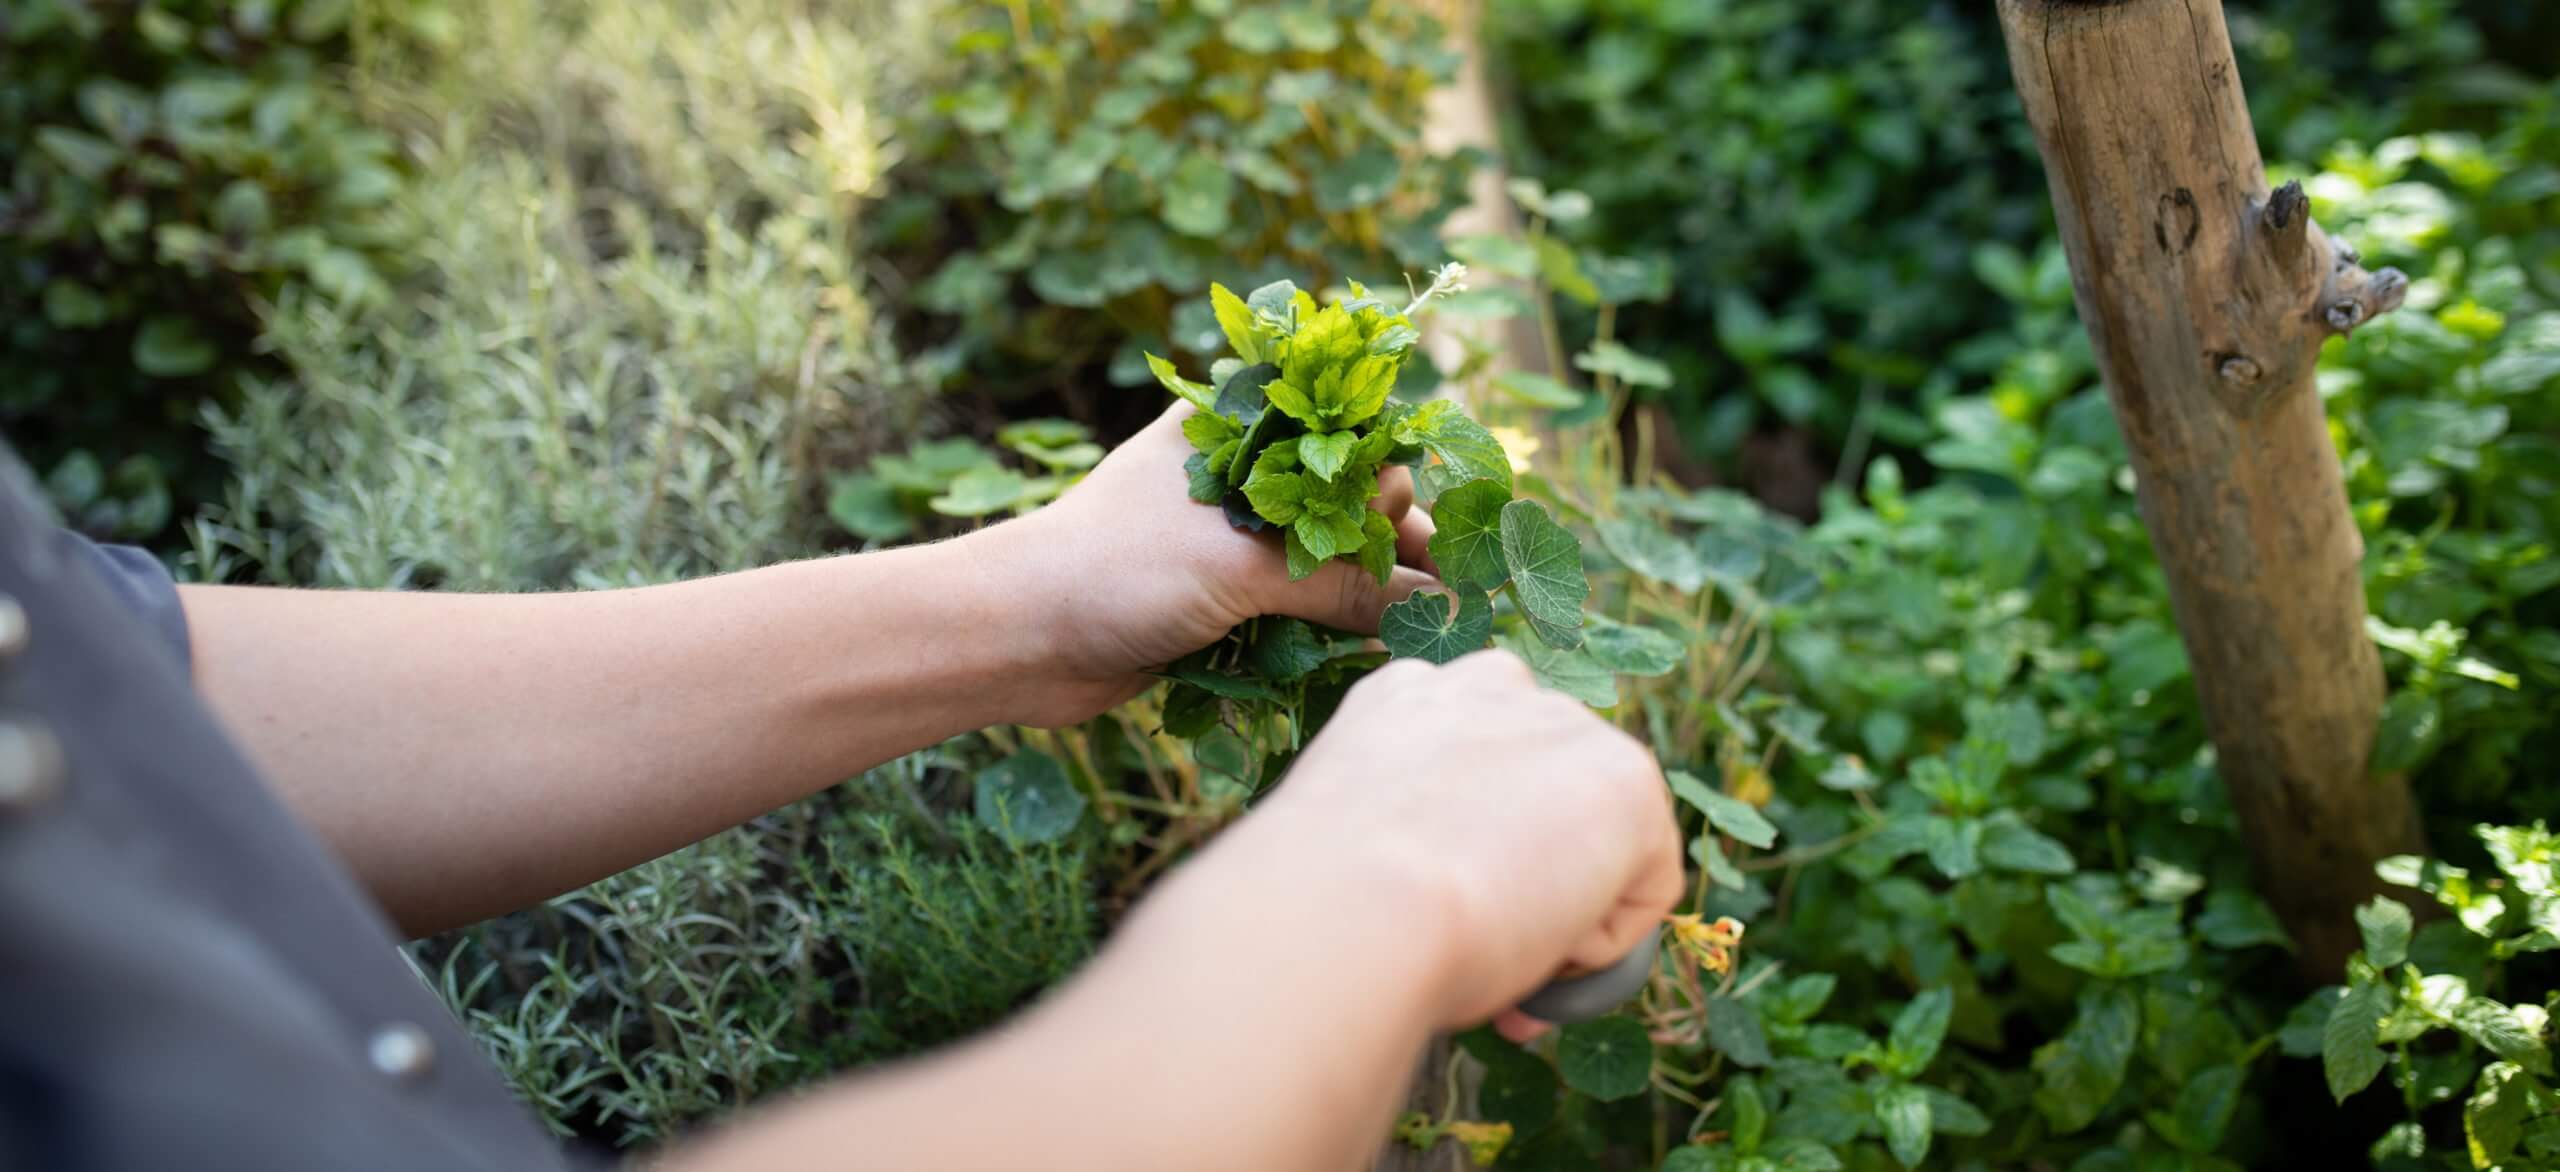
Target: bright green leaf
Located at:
point(1902, 1112)
point(1546, 564)
point(1427, 626)
point(1467, 543)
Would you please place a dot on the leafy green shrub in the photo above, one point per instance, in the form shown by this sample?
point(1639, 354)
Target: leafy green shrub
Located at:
point(1816, 174)
point(1086, 167)
point(2449, 978)
point(170, 166)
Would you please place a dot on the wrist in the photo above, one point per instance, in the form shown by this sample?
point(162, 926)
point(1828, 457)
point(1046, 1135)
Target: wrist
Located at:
point(1001, 582)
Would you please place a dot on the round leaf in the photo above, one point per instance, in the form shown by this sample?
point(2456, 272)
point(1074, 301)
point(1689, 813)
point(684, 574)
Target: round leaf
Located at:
point(1027, 798)
point(1427, 627)
point(1545, 563)
point(1608, 1059)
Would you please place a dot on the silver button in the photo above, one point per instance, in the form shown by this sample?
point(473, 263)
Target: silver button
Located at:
point(31, 766)
point(13, 627)
point(402, 1050)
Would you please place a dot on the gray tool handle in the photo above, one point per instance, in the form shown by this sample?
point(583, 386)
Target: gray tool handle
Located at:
point(1571, 999)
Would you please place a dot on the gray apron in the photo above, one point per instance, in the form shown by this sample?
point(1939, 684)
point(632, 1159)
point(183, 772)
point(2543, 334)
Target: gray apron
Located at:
point(188, 978)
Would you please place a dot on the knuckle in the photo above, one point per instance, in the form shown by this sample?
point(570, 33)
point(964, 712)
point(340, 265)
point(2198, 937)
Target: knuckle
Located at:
point(1496, 664)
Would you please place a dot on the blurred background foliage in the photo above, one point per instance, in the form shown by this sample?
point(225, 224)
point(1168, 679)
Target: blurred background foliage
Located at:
point(468, 294)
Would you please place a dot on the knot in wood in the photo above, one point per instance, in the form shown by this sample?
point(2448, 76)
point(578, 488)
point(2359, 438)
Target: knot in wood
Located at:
point(2239, 369)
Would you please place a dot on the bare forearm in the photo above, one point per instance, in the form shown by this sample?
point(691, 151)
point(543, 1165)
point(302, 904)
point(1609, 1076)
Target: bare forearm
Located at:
point(469, 754)
point(1249, 1019)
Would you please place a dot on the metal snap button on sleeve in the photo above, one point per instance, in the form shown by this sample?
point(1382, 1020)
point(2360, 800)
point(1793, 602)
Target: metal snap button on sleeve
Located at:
point(401, 1050)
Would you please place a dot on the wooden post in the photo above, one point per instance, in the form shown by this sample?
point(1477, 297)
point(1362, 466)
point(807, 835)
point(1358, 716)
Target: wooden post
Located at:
point(2207, 297)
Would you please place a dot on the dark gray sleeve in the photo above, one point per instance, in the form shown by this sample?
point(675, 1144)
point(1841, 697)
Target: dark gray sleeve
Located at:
point(141, 586)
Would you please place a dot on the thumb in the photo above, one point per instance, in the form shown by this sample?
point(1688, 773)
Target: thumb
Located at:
point(1343, 596)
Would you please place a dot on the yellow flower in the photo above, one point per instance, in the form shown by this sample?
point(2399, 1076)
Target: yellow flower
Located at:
point(1519, 445)
point(1751, 784)
point(1713, 944)
point(1484, 1141)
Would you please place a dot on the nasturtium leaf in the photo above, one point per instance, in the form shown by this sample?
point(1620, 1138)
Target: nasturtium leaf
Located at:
point(1608, 1058)
point(2386, 925)
point(867, 507)
point(1241, 397)
point(1426, 626)
point(1027, 798)
point(1198, 196)
point(1285, 650)
point(1467, 543)
point(1545, 563)
point(1245, 334)
point(1645, 548)
point(1735, 1030)
point(1197, 394)
point(981, 491)
point(1632, 650)
point(2009, 844)
point(1537, 390)
point(2350, 1043)
point(1325, 455)
point(1519, 1088)
point(1571, 672)
point(1729, 814)
point(1919, 1028)
point(2077, 1073)
point(1467, 448)
point(1902, 1113)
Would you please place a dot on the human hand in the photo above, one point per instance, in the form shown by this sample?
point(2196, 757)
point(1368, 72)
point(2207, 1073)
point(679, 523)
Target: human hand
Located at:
point(1529, 835)
point(1126, 573)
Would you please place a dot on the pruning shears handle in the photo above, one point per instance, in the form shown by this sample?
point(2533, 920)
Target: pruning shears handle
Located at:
point(1566, 1000)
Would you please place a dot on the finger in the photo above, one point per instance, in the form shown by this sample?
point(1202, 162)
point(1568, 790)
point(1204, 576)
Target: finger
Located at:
point(1413, 540)
point(1343, 596)
point(1519, 1028)
point(1395, 492)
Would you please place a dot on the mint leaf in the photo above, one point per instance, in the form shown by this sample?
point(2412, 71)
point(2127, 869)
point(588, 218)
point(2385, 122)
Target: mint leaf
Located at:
point(1242, 397)
point(2493, 1120)
point(1467, 544)
point(2009, 844)
point(1546, 565)
point(1608, 1059)
point(1919, 1028)
point(1209, 431)
point(2350, 1044)
point(1735, 1030)
point(1428, 627)
point(1208, 484)
point(1026, 798)
point(1302, 563)
point(1326, 454)
point(1245, 335)
point(1281, 497)
point(1285, 650)
point(1197, 394)
point(1729, 814)
point(1378, 546)
point(2203, 1110)
point(2499, 1031)
point(2077, 1073)
point(1466, 447)
point(1220, 684)
point(2386, 926)
point(1632, 650)
point(1328, 535)
point(2233, 918)
point(1902, 1112)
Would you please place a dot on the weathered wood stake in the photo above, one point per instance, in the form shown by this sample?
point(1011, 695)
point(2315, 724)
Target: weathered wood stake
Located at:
point(2207, 297)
